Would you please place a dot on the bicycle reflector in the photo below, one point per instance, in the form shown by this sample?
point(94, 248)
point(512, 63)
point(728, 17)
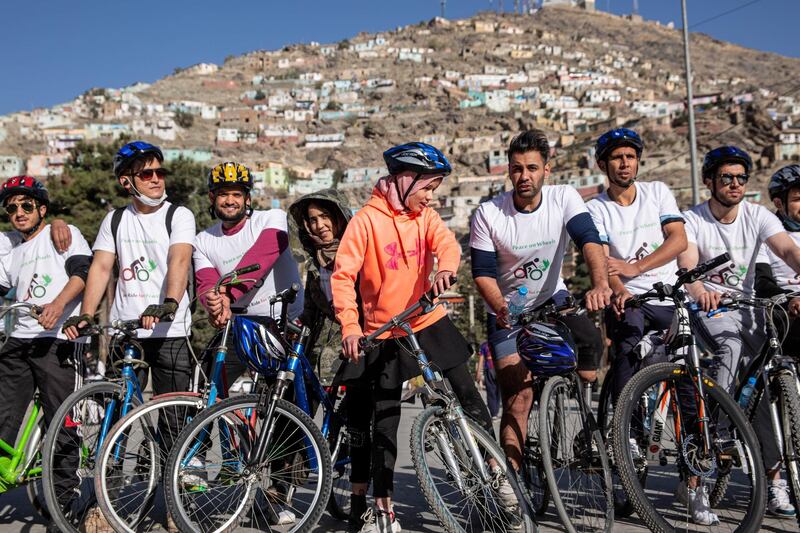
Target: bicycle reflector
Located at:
point(258, 344)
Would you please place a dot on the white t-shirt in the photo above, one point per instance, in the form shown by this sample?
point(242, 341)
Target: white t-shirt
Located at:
point(530, 246)
point(786, 278)
point(144, 243)
point(37, 271)
point(8, 240)
point(634, 231)
point(742, 239)
point(224, 253)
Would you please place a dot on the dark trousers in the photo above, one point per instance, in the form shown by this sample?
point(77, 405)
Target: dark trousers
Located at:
point(47, 364)
point(381, 407)
point(492, 391)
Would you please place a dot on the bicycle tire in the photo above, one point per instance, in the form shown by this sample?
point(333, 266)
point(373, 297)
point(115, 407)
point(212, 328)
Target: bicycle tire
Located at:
point(597, 515)
point(116, 511)
point(34, 485)
point(790, 420)
point(221, 414)
point(70, 521)
point(750, 519)
point(532, 471)
point(339, 501)
point(441, 509)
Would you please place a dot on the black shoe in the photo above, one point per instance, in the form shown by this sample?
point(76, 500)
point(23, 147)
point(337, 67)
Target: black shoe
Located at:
point(358, 506)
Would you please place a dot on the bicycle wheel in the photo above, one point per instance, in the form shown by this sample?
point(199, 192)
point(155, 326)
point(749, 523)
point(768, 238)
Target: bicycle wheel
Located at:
point(70, 449)
point(339, 446)
point(790, 422)
point(33, 484)
point(132, 458)
point(210, 485)
point(575, 460)
point(458, 494)
point(532, 468)
point(671, 437)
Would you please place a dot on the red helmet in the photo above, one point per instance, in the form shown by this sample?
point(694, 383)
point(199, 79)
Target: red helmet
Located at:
point(26, 185)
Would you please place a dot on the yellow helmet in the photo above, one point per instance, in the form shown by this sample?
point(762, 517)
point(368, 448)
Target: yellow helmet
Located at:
point(230, 173)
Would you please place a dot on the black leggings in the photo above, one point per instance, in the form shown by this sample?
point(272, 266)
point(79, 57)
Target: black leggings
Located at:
point(379, 450)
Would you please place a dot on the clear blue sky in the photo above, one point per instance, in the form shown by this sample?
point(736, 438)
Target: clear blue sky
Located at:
point(54, 50)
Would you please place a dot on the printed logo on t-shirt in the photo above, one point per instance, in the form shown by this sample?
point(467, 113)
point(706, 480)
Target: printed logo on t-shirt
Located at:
point(731, 275)
point(138, 270)
point(37, 287)
point(644, 250)
point(396, 254)
point(534, 269)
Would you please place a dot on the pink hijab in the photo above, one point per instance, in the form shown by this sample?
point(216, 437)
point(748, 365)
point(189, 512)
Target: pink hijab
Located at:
point(387, 187)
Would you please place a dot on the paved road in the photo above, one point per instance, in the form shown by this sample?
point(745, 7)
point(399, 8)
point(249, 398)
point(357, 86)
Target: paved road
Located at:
point(17, 515)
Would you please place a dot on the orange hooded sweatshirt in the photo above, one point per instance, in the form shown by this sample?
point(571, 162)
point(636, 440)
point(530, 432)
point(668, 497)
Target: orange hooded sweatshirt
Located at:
point(391, 254)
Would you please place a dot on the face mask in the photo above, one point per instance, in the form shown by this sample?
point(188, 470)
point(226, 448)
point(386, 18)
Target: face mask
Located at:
point(146, 200)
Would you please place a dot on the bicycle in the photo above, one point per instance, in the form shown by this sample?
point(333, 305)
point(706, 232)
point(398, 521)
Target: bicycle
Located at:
point(83, 422)
point(460, 467)
point(129, 464)
point(571, 449)
point(20, 462)
point(683, 424)
point(258, 453)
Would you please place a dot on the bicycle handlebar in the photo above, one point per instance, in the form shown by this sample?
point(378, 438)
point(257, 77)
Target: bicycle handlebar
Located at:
point(33, 309)
point(551, 311)
point(233, 275)
point(286, 295)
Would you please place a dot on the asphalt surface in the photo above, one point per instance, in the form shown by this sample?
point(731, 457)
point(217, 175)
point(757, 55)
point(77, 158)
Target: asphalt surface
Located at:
point(18, 515)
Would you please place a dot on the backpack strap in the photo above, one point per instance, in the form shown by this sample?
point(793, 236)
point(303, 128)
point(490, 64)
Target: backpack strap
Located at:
point(116, 218)
point(170, 213)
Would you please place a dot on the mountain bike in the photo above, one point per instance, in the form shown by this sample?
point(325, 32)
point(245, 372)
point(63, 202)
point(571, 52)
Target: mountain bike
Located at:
point(689, 434)
point(21, 463)
point(82, 424)
point(130, 463)
point(248, 461)
point(459, 466)
point(571, 447)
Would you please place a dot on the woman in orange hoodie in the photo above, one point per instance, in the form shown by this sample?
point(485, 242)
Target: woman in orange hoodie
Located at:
point(388, 249)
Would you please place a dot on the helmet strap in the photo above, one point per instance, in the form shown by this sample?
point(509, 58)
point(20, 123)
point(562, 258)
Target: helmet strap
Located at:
point(404, 197)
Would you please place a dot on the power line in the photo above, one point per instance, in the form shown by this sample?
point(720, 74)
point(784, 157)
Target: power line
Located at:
point(728, 12)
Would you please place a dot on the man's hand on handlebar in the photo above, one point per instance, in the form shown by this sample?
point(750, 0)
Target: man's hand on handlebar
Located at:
point(442, 281)
point(618, 302)
point(794, 307)
point(597, 298)
point(351, 347)
point(50, 314)
point(154, 313)
point(73, 325)
point(218, 305)
point(708, 300)
point(504, 318)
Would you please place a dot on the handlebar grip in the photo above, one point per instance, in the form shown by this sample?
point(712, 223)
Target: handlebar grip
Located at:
point(430, 296)
point(247, 269)
point(711, 264)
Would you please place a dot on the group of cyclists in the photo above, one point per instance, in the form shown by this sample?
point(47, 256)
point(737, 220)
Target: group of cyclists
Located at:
point(363, 268)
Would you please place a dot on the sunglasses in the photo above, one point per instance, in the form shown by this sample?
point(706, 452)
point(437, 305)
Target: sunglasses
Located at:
point(727, 179)
point(27, 207)
point(148, 173)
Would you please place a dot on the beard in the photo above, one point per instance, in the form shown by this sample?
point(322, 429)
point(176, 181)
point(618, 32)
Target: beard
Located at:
point(622, 183)
point(235, 217)
point(726, 203)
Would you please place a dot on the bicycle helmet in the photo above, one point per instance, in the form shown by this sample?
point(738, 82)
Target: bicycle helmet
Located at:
point(258, 344)
point(547, 349)
point(783, 180)
point(230, 173)
point(420, 158)
point(132, 151)
point(725, 154)
point(27, 185)
point(615, 138)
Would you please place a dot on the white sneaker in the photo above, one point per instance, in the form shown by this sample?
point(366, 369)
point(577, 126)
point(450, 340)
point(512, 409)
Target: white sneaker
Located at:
point(379, 521)
point(778, 502)
point(504, 490)
point(699, 507)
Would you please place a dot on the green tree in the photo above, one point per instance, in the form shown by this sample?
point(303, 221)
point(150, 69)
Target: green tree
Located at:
point(184, 119)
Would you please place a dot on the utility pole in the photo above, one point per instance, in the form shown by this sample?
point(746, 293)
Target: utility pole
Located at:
point(690, 106)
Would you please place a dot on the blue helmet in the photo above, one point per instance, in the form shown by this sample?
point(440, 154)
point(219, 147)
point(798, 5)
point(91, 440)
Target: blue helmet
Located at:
point(547, 349)
point(725, 154)
point(783, 180)
point(615, 138)
point(132, 151)
point(420, 158)
point(258, 344)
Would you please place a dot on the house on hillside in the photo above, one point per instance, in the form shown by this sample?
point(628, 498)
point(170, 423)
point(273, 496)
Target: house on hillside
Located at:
point(11, 165)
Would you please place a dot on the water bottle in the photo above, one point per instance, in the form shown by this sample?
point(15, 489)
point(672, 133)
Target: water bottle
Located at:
point(517, 303)
point(747, 393)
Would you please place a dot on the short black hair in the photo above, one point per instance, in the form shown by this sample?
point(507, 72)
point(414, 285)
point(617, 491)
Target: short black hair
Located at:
point(136, 164)
point(529, 141)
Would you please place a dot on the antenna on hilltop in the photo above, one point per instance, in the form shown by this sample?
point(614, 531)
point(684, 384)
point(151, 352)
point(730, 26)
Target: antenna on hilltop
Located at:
point(444, 5)
point(635, 7)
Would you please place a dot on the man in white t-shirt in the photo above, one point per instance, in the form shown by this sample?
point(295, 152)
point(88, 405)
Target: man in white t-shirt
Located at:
point(152, 244)
point(642, 231)
point(518, 239)
point(722, 224)
point(37, 355)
